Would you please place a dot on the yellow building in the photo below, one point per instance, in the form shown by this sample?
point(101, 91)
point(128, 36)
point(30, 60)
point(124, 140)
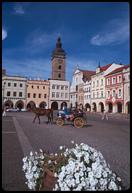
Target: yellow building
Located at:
point(37, 93)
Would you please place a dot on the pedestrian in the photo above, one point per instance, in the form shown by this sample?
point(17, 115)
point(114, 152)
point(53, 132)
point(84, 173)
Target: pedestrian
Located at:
point(4, 112)
point(104, 115)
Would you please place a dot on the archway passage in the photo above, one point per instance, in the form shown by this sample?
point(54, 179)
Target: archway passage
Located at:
point(19, 105)
point(30, 105)
point(119, 107)
point(128, 107)
point(101, 107)
point(88, 107)
point(42, 105)
point(54, 106)
point(8, 104)
point(94, 107)
point(62, 104)
point(110, 108)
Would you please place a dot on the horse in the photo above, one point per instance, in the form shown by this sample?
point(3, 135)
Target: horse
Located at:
point(42, 112)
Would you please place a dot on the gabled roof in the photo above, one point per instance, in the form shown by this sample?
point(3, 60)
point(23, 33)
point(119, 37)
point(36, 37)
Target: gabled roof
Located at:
point(103, 68)
point(120, 69)
point(87, 74)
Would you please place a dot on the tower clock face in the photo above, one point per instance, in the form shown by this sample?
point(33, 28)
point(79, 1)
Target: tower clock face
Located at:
point(60, 61)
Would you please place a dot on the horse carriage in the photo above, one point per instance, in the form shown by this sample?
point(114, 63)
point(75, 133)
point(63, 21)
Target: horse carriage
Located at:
point(76, 117)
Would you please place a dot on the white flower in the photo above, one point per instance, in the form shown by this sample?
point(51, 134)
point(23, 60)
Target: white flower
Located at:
point(34, 168)
point(55, 174)
point(49, 161)
point(119, 179)
point(112, 186)
point(72, 142)
point(36, 175)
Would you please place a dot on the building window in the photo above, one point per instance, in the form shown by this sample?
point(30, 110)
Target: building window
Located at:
point(93, 84)
point(15, 84)
point(119, 93)
point(114, 94)
point(21, 84)
point(8, 93)
point(114, 80)
point(58, 86)
point(97, 83)
point(71, 96)
point(108, 81)
point(97, 94)
point(37, 87)
point(57, 95)
point(59, 75)
point(66, 87)
point(9, 84)
point(34, 95)
point(76, 87)
point(101, 82)
point(59, 67)
point(62, 87)
point(20, 94)
point(32, 86)
point(93, 95)
point(45, 95)
point(66, 95)
point(53, 86)
point(108, 93)
point(43, 87)
point(119, 79)
point(28, 95)
point(101, 93)
point(14, 94)
point(53, 94)
point(39, 95)
point(62, 95)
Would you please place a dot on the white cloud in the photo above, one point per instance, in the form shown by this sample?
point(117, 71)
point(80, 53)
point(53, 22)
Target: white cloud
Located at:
point(18, 8)
point(115, 32)
point(4, 34)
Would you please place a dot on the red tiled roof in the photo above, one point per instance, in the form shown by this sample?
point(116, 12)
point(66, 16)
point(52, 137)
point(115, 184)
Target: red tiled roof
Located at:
point(118, 70)
point(103, 68)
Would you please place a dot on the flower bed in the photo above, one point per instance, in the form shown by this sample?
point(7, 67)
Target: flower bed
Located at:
point(78, 168)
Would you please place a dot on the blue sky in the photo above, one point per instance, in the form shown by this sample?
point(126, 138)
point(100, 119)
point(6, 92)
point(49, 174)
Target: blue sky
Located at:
point(90, 32)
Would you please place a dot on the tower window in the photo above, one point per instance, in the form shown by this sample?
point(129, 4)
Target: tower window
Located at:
point(59, 67)
point(59, 75)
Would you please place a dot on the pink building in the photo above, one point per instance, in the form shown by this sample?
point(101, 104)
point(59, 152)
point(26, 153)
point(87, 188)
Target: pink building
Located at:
point(114, 88)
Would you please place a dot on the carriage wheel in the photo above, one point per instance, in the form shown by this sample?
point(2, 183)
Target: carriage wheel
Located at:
point(79, 122)
point(59, 122)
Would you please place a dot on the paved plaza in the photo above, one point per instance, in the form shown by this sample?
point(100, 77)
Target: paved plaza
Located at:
point(20, 136)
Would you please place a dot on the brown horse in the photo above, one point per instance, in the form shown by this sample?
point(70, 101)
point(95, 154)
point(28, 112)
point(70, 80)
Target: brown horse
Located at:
point(42, 112)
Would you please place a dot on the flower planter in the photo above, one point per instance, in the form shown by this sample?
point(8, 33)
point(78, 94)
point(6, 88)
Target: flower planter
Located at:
point(49, 181)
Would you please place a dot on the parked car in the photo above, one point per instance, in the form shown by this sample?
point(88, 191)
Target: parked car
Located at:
point(12, 110)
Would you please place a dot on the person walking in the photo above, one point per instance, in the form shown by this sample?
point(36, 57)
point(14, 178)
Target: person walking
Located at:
point(4, 112)
point(105, 115)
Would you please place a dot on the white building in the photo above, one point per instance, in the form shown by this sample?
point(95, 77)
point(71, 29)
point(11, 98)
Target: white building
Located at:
point(59, 93)
point(14, 91)
point(79, 78)
point(98, 86)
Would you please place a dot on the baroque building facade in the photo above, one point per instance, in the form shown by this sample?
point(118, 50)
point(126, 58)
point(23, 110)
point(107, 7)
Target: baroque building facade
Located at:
point(98, 96)
point(37, 93)
point(14, 91)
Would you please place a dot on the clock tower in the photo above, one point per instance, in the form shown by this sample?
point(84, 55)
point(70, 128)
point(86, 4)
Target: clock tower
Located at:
point(58, 62)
